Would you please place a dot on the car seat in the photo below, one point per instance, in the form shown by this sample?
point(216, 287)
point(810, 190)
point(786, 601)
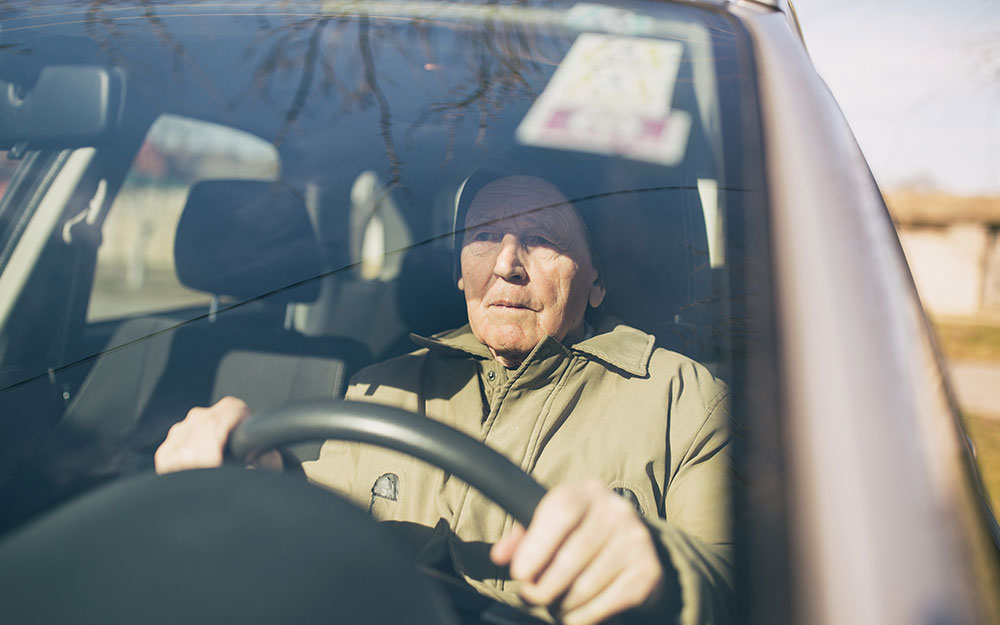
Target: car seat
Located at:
point(251, 245)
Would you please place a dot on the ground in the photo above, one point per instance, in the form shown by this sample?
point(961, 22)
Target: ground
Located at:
point(972, 347)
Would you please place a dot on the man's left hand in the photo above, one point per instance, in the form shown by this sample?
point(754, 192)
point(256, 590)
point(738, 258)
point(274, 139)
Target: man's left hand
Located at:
point(586, 555)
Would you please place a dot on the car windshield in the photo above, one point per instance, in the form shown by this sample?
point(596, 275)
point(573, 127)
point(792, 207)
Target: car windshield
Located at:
point(273, 197)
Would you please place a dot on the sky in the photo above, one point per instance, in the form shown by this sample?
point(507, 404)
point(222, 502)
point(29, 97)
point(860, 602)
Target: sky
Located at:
point(919, 83)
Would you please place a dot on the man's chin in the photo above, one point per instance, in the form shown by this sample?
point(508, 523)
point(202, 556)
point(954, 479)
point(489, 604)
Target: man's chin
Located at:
point(510, 349)
point(510, 359)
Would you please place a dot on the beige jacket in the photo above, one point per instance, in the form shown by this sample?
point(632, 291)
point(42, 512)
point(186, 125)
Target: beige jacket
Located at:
point(648, 422)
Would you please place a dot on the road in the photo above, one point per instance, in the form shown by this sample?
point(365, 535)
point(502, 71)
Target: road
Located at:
point(977, 385)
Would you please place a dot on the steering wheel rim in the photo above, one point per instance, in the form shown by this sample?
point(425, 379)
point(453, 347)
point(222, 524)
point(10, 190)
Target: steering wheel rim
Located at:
point(426, 439)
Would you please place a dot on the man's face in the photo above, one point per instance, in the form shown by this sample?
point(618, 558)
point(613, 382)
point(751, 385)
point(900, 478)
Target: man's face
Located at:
point(526, 268)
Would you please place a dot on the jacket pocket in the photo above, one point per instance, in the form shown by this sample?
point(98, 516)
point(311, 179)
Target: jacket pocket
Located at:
point(636, 497)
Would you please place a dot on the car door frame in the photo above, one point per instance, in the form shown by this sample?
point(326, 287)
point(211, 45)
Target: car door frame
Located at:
point(886, 521)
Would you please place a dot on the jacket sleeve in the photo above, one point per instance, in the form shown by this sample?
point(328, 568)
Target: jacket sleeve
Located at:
point(696, 535)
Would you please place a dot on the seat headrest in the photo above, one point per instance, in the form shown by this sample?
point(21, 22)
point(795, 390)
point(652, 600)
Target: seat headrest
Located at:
point(247, 239)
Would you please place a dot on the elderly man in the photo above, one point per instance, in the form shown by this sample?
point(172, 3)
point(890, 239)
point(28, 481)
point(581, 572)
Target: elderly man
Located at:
point(631, 439)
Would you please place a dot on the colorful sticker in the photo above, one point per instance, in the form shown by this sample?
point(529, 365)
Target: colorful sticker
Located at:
point(611, 95)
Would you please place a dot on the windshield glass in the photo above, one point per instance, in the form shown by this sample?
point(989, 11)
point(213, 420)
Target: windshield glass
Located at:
point(283, 194)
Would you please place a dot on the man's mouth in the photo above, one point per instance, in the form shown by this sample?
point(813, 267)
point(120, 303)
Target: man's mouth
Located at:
point(509, 304)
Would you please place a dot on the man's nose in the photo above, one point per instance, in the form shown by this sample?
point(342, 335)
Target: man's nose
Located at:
point(509, 265)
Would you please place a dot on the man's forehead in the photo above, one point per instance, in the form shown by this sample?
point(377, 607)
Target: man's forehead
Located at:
point(530, 198)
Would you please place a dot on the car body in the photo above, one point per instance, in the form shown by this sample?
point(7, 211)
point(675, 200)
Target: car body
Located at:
point(198, 191)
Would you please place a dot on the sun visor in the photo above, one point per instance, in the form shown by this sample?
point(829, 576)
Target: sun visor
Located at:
point(63, 106)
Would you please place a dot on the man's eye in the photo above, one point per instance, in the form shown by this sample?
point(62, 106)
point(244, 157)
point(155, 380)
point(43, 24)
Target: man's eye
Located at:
point(537, 240)
point(484, 236)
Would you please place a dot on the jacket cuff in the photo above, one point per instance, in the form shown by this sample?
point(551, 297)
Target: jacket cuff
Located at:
point(698, 578)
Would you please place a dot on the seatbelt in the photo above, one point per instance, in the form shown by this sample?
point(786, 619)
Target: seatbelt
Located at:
point(82, 236)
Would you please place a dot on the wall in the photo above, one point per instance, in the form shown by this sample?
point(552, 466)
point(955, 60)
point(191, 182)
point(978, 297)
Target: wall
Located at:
point(952, 245)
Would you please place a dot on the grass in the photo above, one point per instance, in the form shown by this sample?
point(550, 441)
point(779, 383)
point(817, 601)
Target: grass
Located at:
point(977, 339)
point(969, 340)
point(985, 435)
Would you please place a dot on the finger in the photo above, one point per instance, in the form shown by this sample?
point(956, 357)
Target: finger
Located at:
point(558, 513)
point(629, 589)
point(182, 452)
point(227, 413)
point(575, 555)
point(199, 440)
point(629, 546)
point(270, 460)
point(175, 453)
point(503, 550)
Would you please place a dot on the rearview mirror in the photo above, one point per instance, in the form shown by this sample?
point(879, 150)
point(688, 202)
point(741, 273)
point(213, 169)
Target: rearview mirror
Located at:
point(68, 106)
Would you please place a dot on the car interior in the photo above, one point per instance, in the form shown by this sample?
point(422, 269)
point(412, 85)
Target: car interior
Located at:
point(200, 245)
point(279, 325)
point(196, 254)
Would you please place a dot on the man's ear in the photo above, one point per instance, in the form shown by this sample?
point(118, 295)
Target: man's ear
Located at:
point(461, 284)
point(597, 292)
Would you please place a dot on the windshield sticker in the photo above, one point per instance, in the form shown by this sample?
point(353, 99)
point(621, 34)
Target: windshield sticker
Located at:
point(611, 95)
point(590, 16)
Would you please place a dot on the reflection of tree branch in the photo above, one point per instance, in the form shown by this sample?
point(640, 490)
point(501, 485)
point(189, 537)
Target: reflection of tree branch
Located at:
point(305, 82)
point(283, 55)
point(501, 65)
point(504, 65)
point(184, 56)
point(91, 19)
point(385, 115)
point(455, 112)
point(107, 39)
point(277, 57)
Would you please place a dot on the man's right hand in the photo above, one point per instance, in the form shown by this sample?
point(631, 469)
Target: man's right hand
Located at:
point(199, 441)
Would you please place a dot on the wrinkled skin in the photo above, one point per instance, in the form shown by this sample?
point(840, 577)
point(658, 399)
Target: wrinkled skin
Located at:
point(526, 273)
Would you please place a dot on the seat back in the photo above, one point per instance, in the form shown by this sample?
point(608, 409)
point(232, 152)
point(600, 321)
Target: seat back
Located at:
point(252, 243)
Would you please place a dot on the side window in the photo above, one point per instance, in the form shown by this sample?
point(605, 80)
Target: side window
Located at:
point(135, 264)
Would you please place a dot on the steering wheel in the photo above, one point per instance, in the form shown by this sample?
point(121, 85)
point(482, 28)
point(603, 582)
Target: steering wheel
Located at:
point(266, 544)
point(426, 439)
point(468, 459)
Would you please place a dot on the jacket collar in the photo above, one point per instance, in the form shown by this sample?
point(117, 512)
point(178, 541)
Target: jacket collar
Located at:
point(613, 343)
